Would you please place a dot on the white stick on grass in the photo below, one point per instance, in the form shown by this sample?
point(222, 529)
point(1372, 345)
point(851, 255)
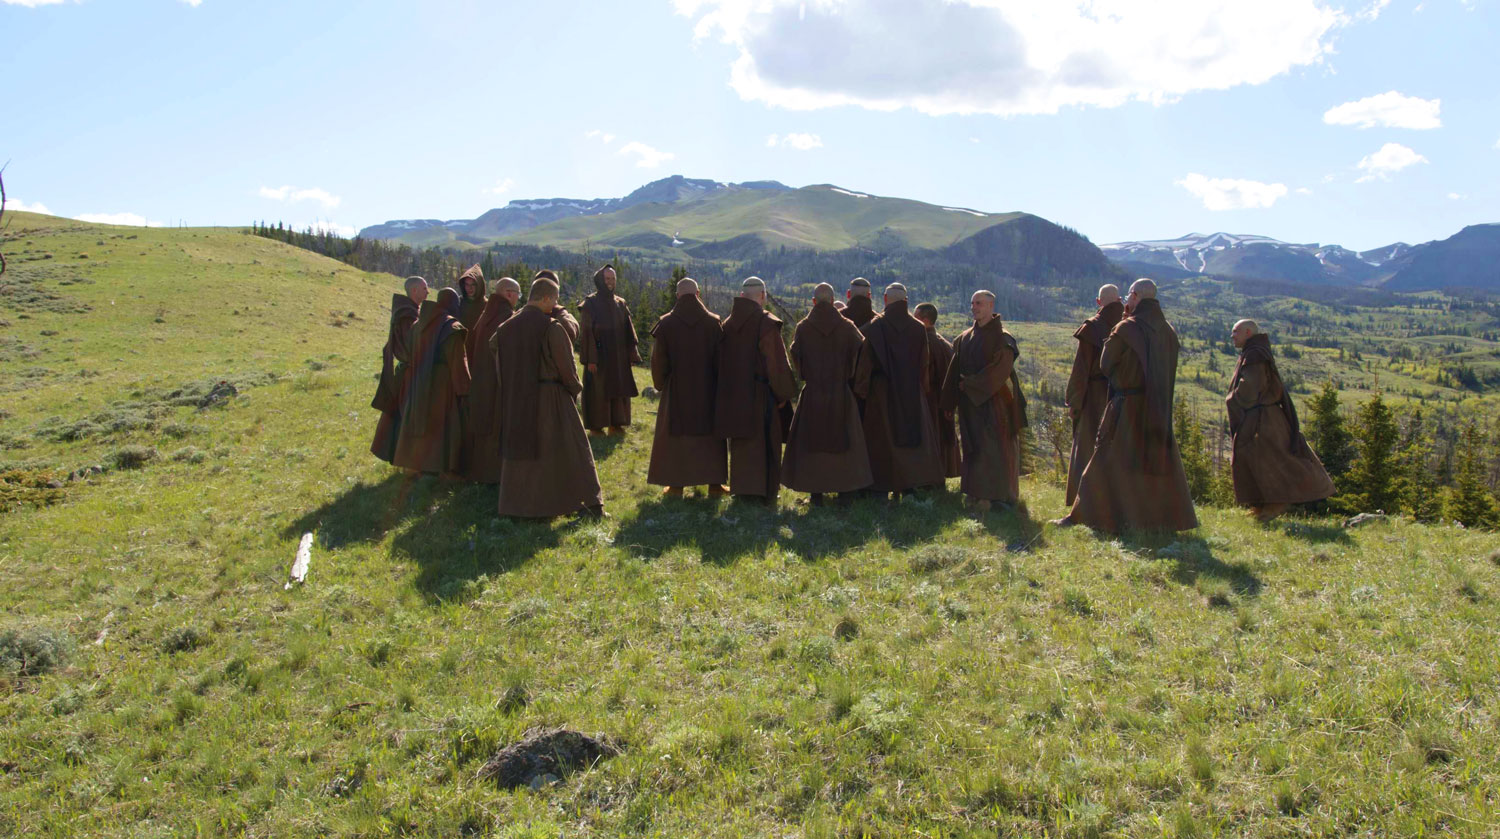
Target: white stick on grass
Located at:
point(299, 566)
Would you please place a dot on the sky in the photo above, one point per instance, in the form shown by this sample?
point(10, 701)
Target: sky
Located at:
point(1359, 124)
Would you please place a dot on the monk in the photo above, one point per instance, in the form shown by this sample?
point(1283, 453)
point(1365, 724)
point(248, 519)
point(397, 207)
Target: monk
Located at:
point(1272, 464)
point(607, 343)
point(754, 384)
point(684, 369)
point(895, 367)
point(825, 451)
point(471, 296)
point(431, 436)
point(942, 356)
point(395, 365)
point(1134, 481)
point(1088, 388)
point(546, 466)
point(860, 308)
point(482, 433)
point(982, 387)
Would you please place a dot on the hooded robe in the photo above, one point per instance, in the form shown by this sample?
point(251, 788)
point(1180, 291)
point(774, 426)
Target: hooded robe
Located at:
point(826, 451)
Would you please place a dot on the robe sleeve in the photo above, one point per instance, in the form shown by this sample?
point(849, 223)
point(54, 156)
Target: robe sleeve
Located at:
point(401, 340)
point(794, 360)
point(864, 369)
point(981, 387)
point(949, 399)
point(778, 372)
point(564, 317)
point(635, 342)
point(1114, 349)
point(587, 352)
point(1078, 379)
point(1246, 394)
point(560, 354)
point(661, 366)
point(458, 363)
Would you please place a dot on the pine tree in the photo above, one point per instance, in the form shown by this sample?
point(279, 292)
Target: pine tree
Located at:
point(1418, 484)
point(1472, 503)
point(1327, 434)
point(1206, 484)
point(1373, 477)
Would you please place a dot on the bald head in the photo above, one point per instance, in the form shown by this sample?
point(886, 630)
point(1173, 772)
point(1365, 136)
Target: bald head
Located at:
point(926, 313)
point(894, 292)
point(416, 289)
point(1244, 330)
point(754, 288)
point(543, 294)
point(687, 286)
point(1143, 289)
point(1108, 293)
point(823, 293)
point(982, 306)
point(508, 289)
point(858, 287)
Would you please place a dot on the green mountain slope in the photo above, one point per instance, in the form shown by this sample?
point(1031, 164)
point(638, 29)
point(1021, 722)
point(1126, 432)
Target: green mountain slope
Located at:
point(819, 217)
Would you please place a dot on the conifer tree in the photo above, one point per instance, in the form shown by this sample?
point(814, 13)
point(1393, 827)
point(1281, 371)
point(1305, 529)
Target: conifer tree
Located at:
point(1418, 484)
point(1373, 476)
point(1326, 432)
point(1472, 503)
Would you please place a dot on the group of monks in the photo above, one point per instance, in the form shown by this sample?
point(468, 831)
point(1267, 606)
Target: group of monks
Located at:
point(483, 388)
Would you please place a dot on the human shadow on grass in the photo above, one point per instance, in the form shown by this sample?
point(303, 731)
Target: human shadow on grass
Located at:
point(1311, 532)
point(723, 531)
point(462, 539)
point(367, 512)
point(604, 445)
point(1191, 557)
point(1015, 527)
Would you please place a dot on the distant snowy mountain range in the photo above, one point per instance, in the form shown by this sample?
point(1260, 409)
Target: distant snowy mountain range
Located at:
point(1469, 258)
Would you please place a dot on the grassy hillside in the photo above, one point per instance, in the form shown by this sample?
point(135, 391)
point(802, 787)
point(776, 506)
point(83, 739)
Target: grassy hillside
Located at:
point(818, 217)
point(874, 671)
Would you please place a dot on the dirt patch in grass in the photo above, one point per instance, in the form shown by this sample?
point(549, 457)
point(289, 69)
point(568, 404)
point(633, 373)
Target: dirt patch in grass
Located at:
point(546, 751)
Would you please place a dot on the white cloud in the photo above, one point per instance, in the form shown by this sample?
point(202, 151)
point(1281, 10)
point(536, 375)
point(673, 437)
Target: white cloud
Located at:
point(501, 187)
point(32, 4)
point(1232, 193)
point(344, 230)
point(125, 219)
point(196, 3)
point(1454, 196)
point(649, 158)
point(294, 194)
point(1497, 145)
point(973, 139)
point(800, 142)
point(1392, 158)
point(1372, 11)
point(1302, 190)
point(1007, 56)
point(596, 134)
point(19, 206)
point(1390, 110)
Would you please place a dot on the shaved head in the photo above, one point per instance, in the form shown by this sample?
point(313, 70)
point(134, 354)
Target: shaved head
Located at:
point(413, 282)
point(753, 288)
point(1248, 325)
point(1108, 293)
point(894, 292)
point(507, 284)
point(686, 286)
point(823, 293)
point(1144, 289)
point(985, 293)
point(859, 287)
point(542, 290)
point(928, 313)
point(1244, 330)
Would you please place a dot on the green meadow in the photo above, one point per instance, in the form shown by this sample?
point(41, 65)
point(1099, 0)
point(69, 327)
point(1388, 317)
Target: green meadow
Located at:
point(842, 672)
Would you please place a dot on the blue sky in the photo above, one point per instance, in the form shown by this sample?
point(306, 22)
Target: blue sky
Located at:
point(1357, 124)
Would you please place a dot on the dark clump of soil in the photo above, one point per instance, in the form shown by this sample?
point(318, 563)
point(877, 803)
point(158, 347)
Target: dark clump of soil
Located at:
point(546, 751)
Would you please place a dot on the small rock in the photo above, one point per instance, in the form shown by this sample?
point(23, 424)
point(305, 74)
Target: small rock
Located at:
point(544, 753)
point(1363, 519)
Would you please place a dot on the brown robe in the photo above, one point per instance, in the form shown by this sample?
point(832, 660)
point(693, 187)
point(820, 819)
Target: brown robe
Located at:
point(482, 432)
point(1271, 461)
point(606, 338)
point(753, 380)
point(431, 435)
point(471, 308)
point(826, 451)
point(942, 356)
point(1088, 389)
point(892, 379)
point(983, 387)
point(860, 310)
point(394, 369)
point(684, 369)
point(1135, 480)
point(547, 468)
